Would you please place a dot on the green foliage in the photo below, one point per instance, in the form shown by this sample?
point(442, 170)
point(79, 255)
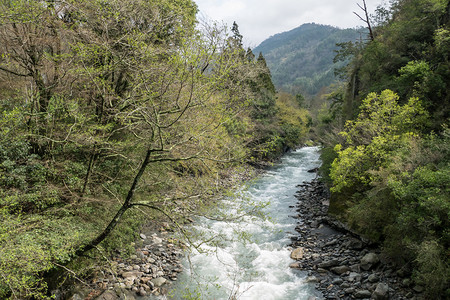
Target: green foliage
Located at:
point(391, 164)
point(130, 105)
point(294, 120)
point(382, 126)
point(433, 272)
point(400, 179)
point(327, 156)
point(409, 62)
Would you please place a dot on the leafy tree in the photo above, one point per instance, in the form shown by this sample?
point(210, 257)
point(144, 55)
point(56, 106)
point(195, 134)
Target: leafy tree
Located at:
point(398, 177)
point(381, 126)
point(392, 159)
point(105, 107)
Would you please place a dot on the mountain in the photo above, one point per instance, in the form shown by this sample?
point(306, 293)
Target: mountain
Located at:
point(301, 60)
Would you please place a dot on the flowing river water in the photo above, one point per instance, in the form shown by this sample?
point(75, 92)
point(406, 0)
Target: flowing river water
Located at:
point(250, 257)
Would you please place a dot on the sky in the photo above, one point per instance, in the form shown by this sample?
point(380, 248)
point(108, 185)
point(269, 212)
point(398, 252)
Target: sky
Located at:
point(260, 19)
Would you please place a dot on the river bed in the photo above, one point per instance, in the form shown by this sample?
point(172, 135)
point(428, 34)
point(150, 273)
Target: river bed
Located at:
point(249, 257)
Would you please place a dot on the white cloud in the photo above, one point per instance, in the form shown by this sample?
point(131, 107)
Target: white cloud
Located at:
point(260, 19)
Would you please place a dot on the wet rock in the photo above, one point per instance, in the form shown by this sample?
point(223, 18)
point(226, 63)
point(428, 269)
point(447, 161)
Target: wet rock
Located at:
point(381, 292)
point(297, 254)
point(312, 279)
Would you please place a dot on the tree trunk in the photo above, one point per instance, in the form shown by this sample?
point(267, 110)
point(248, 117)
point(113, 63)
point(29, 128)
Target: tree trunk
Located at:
point(125, 206)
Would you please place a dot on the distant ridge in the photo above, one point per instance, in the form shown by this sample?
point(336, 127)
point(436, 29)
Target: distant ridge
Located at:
point(301, 60)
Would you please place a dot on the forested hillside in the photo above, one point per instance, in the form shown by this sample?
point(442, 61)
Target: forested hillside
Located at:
point(112, 112)
point(387, 156)
point(301, 60)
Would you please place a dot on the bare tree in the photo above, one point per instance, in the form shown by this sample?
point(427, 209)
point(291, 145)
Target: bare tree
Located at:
point(366, 18)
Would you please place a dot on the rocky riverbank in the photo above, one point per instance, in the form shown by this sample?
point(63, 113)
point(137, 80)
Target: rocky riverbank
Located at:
point(150, 271)
point(154, 267)
point(341, 264)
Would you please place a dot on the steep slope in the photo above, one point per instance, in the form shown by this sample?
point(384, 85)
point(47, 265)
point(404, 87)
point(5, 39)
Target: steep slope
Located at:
point(301, 60)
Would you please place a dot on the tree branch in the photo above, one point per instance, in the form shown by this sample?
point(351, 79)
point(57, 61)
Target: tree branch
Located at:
point(14, 73)
point(365, 20)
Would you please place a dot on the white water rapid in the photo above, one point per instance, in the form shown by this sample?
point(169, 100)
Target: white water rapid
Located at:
point(259, 268)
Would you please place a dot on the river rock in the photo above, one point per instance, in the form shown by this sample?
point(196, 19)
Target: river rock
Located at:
point(349, 290)
point(331, 246)
point(354, 277)
point(354, 244)
point(157, 240)
point(373, 278)
point(381, 292)
point(362, 294)
point(108, 295)
point(159, 281)
point(142, 292)
point(328, 264)
point(297, 254)
point(369, 260)
point(312, 279)
point(340, 270)
point(132, 275)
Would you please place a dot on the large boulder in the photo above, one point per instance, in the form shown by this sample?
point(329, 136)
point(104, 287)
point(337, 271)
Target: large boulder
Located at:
point(369, 261)
point(381, 292)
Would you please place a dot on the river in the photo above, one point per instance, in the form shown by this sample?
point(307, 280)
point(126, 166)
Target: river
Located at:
point(250, 257)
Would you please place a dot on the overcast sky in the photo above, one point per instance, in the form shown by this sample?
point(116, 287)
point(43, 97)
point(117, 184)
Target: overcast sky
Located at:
point(260, 19)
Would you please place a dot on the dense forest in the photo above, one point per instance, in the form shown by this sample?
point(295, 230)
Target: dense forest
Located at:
point(386, 136)
point(114, 113)
point(301, 60)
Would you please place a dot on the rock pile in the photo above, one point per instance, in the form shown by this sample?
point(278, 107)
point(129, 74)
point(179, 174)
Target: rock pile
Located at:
point(150, 271)
point(339, 262)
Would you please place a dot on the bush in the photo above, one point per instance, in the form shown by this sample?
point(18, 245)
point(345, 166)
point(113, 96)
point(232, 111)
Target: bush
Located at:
point(433, 270)
point(397, 183)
